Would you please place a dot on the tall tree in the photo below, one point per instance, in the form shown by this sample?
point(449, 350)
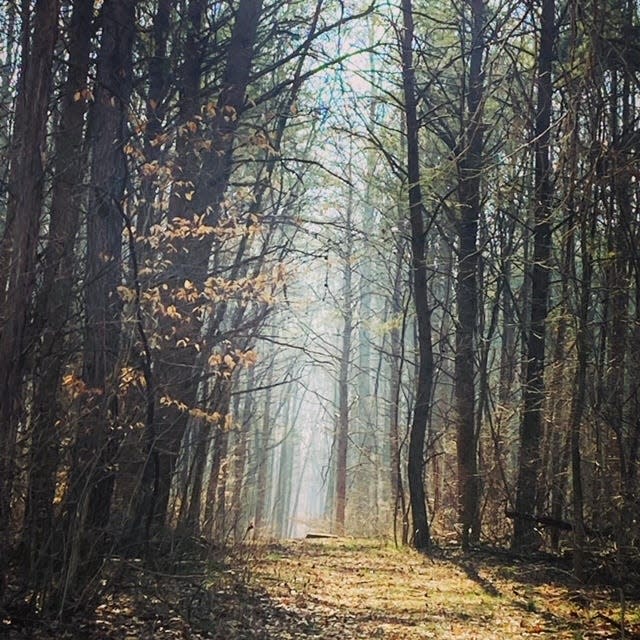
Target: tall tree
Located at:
point(416, 464)
point(342, 425)
point(88, 501)
point(469, 163)
point(208, 170)
point(18, 248)
point(54, 301)
point(529, 465)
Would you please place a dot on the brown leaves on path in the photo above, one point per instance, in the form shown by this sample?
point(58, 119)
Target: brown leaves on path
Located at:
point(343, 589)
point(363, 589)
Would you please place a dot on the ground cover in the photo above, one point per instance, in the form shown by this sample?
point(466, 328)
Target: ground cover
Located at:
point(345, 589)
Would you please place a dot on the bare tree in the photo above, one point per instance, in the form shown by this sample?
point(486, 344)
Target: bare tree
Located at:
point(18, 247)
point(420, 532)
point(529, 465)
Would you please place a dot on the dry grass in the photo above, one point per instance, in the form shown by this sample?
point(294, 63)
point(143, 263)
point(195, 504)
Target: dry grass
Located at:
point(364, 589)
point(341, 590)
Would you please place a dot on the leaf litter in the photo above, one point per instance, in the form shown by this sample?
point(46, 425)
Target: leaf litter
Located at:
point(343, 589)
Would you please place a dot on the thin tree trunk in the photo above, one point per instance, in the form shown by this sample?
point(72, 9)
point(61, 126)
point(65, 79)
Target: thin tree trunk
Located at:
point(218, 461)
point(416, 464)
point(578, 404)
point(262, 453)
point(469, 171)
point(342, 435)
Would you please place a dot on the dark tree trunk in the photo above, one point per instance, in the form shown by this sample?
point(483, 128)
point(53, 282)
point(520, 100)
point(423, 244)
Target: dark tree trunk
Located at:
point(210, 178)
point(578, 403)
point(145, 494)
point(416, 464)
point(55, 297)
point(524, 536)
point(178, 370)
point(18, 247)
point(156, 108)
point(469, 175)
point(88, 502)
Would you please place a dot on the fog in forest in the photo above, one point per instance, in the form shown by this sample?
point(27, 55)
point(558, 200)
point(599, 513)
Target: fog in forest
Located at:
point(334, 267)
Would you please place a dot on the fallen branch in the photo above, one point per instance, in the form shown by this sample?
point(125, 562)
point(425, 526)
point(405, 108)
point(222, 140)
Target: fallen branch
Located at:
point(547, 521)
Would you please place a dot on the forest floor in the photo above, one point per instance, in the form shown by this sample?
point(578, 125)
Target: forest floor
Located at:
point(340, 589)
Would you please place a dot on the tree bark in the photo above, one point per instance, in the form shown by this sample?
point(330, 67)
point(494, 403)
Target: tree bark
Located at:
point(88, 500)
point(416, 463)
point(55, 297)
point(18, 247)
point(469, 185)
point(524, 537)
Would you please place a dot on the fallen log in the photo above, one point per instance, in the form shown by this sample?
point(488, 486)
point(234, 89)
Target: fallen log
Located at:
point(315, 535)
point(546, 521)
point(543, 521)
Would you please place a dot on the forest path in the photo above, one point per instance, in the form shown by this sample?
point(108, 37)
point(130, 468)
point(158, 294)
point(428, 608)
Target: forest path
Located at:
point(363, 589)
point(339, 589)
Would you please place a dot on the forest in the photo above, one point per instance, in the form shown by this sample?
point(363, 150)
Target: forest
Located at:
point(354, 268)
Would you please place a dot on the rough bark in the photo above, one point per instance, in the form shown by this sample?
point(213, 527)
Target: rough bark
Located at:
point(533, 393)
point(18, 247)
point(92, 476)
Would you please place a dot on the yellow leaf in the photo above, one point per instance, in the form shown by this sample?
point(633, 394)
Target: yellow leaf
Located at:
point(127, 294)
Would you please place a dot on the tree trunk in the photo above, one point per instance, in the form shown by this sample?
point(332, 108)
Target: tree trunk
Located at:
point(18, 248)
point(416, 464)
point(578, 405)
point(182, 371)
point(213, 508)
point(342, 435)
point(262, 454)
point(55, 297)
point(469, 174)
point(398, 501)
point(88, 501)
point(533, 393)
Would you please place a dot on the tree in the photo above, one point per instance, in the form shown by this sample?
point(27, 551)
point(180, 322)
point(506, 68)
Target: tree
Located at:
point(52, 307)
point(533, 393)
point(469, 162)
point(421, 536)
point(92, 477)
point(20, 235)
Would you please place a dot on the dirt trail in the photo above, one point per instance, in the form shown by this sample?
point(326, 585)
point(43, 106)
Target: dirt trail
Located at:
point(341, 590)
point(334, 589)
